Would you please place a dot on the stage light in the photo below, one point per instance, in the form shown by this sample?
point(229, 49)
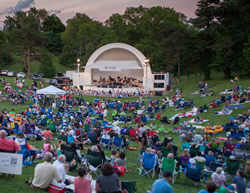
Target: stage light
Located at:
point(78, 60)
point(146, 60)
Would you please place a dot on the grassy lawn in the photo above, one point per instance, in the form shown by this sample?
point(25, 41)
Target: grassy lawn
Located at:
point(143, 183)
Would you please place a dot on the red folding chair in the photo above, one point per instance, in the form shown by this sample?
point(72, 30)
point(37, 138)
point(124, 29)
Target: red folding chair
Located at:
point(158, 115)
point(132, 134)
point(151, 133)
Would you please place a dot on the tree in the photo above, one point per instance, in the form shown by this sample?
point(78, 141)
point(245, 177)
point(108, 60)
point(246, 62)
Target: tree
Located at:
point(46, 66)
point(26, 36)
point(174, 38)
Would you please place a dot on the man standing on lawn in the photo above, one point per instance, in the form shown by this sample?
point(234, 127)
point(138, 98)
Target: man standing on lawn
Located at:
point(162, 185)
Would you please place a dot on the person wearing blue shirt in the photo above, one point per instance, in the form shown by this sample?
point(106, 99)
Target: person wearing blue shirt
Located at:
point(162, 185)
point(5, 124)
point(210, 188)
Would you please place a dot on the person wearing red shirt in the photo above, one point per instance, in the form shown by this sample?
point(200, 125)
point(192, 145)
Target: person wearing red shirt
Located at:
point(8, 145)
point(47, 133)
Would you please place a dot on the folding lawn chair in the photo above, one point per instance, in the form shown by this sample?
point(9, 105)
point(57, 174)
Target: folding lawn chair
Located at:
point(92, 137)
point(193, 151)
point(165, 151)
point(209, 159)
point(185, 145)
point(168, 164)
point(105, 141)
point(188, 137)
point(130, 186)
point(132, 134)
point(213, 166)
point(70, 154)
point(193, 173)
point(157, 147)
point(202, 164)
point(95, 161)
point(117, 143)
point(148, 164)
point(202, 148)
point(233, 165)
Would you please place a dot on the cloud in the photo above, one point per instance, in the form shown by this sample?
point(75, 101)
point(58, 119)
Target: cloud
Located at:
point(19, 7)
point(55, 11)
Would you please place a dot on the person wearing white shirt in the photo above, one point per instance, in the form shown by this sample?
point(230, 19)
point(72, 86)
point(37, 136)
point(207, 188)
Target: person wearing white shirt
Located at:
point(194, 110)
point(63, 169)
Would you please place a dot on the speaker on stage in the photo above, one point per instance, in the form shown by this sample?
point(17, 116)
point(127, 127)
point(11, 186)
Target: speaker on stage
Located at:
point(98, 86)
point(120, 87)
point(110, 86)
point(105, 86)
point(158, 93)
point(59, 74)
point(81, 87)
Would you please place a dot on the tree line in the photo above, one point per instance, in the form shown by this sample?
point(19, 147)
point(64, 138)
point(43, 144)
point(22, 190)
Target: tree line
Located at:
point(217, 39)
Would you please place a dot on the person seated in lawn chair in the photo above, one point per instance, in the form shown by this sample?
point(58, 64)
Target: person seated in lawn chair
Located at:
point(115, 115)
point(161, 130)
point(164, 120)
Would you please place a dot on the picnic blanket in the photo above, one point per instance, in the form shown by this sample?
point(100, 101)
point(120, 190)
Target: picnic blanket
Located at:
point(228, 92)
point(197, 126)
point(220, 113)
point(235, 107)
point(192, 121)
point(221, 138)
point(195, 92)
point(72, 187)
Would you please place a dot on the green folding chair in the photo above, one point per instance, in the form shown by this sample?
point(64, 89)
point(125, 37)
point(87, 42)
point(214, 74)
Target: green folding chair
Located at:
point(52, 127)
point(202, 164)
point(168, 164)
point(202, 148)
point(86, 127)
point(233, 165)
point(214, 145)
point(95, 161)
point(165, 151)
point(130, 186)
point(70, 154)
point(193, 151)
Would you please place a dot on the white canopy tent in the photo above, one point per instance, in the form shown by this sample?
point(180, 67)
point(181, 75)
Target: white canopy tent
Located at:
point(51, 90)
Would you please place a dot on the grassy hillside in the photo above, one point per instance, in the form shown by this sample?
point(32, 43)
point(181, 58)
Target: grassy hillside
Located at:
point(17, 65)
point(143, 183)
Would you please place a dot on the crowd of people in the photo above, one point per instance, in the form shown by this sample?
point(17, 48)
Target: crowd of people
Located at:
point(76, 127)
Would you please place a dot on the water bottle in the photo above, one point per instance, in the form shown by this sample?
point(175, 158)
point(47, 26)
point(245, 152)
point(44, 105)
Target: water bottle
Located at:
point(30, 180)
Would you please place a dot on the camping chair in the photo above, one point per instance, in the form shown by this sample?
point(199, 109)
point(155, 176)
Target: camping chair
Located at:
point(18, 120)
point(233, 166)
point(168, 164)
point(105, 141)
point(70, 154)
point(130, 186)
point(132, 134)
point(184, 161)
point(193, 151)
point(148, 164)
point(157, 147)
point(202, 164)
point(193, 172)
point(213, 166)
point(86, 127)
point(202, 148)
point(95, 161)
point(165, 151)
point(175, 149)
point(185, 145)
point(209, 159)
point(92, 137)
point(29, 128)
point(214, 145)
point(52, 127)
point(117, 143)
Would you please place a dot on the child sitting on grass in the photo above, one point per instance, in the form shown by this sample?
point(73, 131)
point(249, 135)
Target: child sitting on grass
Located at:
point(112, 157)
point(120, 159)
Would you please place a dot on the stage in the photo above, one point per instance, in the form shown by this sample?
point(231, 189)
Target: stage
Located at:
point(124, 89)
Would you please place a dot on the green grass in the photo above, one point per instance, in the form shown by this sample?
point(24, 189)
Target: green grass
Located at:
point(143, 183)
point(18, 66)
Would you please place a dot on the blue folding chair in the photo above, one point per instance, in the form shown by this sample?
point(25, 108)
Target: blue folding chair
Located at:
point(157, 108)
point(117, 143)
point(209, 159)
point(104, 124)
point(105, 141)
point(150, 109)
point(157, 147)
point(193, 173)
point(92, 137)
point(43, 110)
point(64, 125)
point(148, 164)
point(123, 131)
point(66, 114)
